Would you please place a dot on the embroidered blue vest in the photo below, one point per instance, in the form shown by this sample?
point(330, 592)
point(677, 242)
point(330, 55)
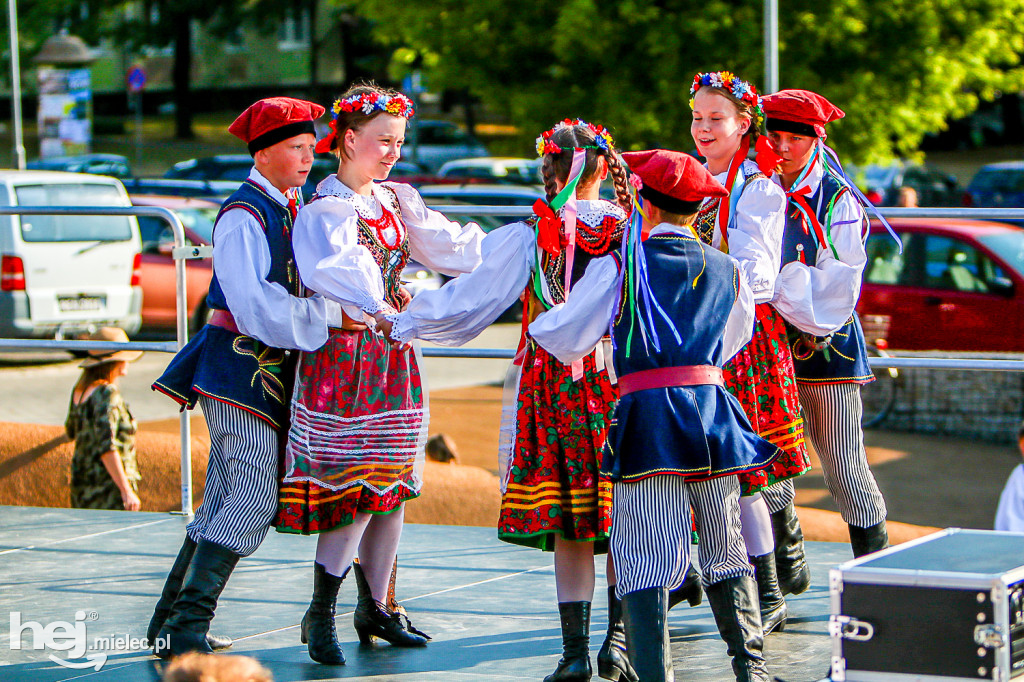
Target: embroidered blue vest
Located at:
point(233, 368)
point(276, 221)
point(697, 432)
point(844, 358)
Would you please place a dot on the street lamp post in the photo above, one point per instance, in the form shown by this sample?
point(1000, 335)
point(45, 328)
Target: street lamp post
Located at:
point(771, 46)
point(19, 144)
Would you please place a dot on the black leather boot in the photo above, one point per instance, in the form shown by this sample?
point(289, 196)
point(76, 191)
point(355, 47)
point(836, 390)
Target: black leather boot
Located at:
point(613, 659)
point(645, 613)
point(868, 540)
point(574, 666)
point(170, 593)
point(375, 620)
point(734, 603)
point(774, 611)
point(187, 625)
point(317, 629)
point(790, 560)
point(689, 590)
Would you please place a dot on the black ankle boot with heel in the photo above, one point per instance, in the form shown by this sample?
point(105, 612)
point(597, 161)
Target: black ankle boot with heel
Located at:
point(574, 666)
point(774, 611)
point(318, 629)
point(374, 620)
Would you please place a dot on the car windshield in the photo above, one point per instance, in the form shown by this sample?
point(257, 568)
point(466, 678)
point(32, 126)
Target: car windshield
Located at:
point(1007, 245)
point(72, 228)
point(199, 220)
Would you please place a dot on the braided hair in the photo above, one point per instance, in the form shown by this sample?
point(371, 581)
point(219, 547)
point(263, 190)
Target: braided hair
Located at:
point(556, 166)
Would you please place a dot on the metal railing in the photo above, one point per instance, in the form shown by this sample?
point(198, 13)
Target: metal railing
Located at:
point(181, 252)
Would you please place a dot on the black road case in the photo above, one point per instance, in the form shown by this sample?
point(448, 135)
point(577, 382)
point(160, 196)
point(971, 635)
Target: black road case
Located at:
point(946, 607)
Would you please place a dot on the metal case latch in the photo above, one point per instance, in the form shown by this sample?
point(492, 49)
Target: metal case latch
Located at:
point(846, 627)
point(989, 636)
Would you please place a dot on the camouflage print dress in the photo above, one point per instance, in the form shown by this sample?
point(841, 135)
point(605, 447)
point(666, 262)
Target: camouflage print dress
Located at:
point(99, 424)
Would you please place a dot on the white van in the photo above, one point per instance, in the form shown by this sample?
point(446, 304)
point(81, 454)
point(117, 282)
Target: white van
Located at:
point(62, 275)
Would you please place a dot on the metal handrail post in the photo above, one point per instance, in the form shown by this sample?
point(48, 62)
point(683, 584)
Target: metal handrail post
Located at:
point(178, 231)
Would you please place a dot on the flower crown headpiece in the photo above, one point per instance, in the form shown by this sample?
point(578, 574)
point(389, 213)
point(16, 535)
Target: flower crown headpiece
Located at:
point(368, 102)
point(396, 105)
point(740, 89)
point(602, 138)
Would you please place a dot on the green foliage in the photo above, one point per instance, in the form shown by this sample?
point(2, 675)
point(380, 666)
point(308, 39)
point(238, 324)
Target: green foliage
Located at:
point(899, 68)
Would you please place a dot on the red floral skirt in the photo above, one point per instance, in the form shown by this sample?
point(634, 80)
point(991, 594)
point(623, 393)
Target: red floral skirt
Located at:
point(761, 377)
point(357, 433)
point(554, 485)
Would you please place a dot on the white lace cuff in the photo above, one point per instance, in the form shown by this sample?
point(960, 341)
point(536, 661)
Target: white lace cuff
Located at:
point(373, 306)
point(403, 327)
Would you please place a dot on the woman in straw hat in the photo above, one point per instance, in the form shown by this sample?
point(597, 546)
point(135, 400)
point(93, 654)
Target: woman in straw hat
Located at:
point(104, 473)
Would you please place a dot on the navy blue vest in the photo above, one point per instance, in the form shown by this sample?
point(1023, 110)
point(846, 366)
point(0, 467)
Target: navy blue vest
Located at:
point(276, 221)
point(698, 432)
point(232, 368)
point(844, 358)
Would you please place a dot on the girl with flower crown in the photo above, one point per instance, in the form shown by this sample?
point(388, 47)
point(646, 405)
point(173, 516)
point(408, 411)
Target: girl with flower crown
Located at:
point(748, 225)
point(354, 453)
point(554, 497)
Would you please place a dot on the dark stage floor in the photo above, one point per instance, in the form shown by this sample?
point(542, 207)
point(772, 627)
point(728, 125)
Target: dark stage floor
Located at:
point(489, 606)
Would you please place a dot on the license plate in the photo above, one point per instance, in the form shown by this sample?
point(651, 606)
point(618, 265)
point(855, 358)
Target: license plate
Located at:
point(68, 304)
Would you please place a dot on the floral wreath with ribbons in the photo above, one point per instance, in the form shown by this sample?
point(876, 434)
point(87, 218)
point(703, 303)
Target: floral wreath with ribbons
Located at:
point(740, 89)
point(367, 102)
point(602, 138)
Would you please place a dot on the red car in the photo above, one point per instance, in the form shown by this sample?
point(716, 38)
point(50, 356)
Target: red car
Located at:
point(157, 274)
point(957, 286)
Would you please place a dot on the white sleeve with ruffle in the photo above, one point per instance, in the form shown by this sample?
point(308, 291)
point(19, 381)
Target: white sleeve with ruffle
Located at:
point(263, 310)
point(434, 240)
point(330, 259)
point(739, 328)
point(570, 330)
point(820, 299)
point(755, 236)
point(462, 308)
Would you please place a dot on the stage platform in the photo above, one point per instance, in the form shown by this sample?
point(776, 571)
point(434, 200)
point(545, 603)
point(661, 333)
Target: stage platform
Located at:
point(489, 606)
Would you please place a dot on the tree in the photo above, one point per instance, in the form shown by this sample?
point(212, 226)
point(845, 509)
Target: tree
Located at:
point(900, 69)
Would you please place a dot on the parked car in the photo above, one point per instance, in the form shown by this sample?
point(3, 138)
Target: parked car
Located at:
point(493, 169)
point(235, 168)
point(432, 143)
point(213, 190)
point(957, 286)
point(485, 195)
point(114, 165)
point(881, 183)
point(997, 185)
point(156, 276)
point(64, 275)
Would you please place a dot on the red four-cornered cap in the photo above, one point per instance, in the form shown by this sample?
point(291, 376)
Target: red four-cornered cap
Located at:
point(673, 174)
point(274, 119)
point(801, 106)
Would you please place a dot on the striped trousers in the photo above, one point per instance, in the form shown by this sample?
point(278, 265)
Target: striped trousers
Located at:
point(832, 414)
point(650, 539)
point(241, 479)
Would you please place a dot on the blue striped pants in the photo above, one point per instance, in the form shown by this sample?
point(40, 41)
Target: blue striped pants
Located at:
point(241, 479)
point(832, 414)
point(650, 540)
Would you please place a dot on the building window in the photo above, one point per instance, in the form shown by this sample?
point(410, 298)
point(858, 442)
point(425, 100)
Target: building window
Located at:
point(293, 33)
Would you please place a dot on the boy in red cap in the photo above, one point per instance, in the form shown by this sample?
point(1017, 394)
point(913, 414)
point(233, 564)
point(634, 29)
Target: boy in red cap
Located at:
point(678, 437)
point(236, 368)
point(817, 289)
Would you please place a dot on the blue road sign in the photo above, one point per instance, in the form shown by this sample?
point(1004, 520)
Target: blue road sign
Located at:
point(136, 79)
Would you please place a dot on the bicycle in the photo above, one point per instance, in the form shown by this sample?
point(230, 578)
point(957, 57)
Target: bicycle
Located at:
point(879, 396)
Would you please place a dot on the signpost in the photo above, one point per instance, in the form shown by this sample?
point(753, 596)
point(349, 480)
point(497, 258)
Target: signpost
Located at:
point(136, 80)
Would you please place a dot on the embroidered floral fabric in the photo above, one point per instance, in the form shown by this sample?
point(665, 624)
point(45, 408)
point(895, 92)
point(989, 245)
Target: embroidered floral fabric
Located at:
point(554, 484)
point(359, 420)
